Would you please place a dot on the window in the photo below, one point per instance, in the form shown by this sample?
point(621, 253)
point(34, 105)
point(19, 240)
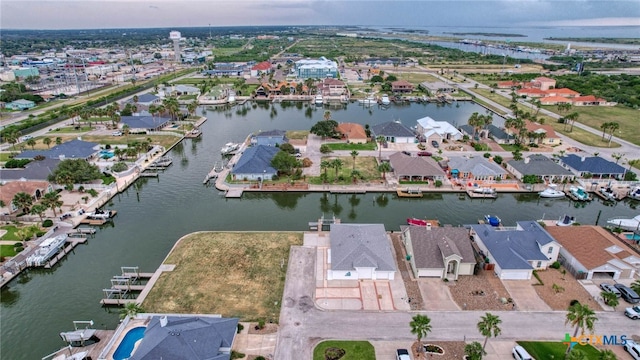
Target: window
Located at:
point(550, 250)
point(539, 264)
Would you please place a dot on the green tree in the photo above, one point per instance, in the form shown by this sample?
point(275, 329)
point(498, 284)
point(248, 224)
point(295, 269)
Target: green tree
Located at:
point(130, 310)
point(604, 126)
point(384, 168)
point(474, 351)
point(47, 141)
point(354, 155)
point(325, 128)
point(613, 126)
point(610, 299)
point(635, 286)
point(284, 162)
point(325, 165)
point(517, 155)
point(488, 326)
point(327, 115)
point(607, 354)
point(577, 354)
point(420, 327)
point(38, 209)
point(337, 164)
point(32, 143)
point(288, 148)
point(380, 139)
point(23, 201)
point(12, 137)
point(58, 140)
point(475, 121)
point(52, 201)
point(75, 171)
point(582, 317)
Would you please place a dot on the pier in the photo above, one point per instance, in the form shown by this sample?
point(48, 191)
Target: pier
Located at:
point(149, 174)
point(483, 195)
point(69, 246)
point(122, 285)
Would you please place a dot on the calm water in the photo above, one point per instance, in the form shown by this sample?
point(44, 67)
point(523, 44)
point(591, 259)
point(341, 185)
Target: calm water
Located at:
point(40, 304)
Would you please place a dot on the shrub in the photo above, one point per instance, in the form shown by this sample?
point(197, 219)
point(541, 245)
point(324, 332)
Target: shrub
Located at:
point(260, 358)
point(92, 192)
point(40, 233)
point(573, 302)
point(497, 159)
point(261, 324)
point(334, 353)
point(17, 244)
point(535, 273)
point(119, 167)
point(47, 223)
point(240, 328)
point(18, 249)
point(325, 149)
point(555, 265)
point(236, 355)
point(438, 183)
point(486, 155)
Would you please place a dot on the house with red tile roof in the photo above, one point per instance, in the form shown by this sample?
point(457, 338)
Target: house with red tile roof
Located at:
point(554, 100)
point(531, 92)
point(261, 68)
point(8, 191)
point(401, 86)
point(332, 87)
point(509, 84)
point(352, 132)
point(591, 100)
point(543, 83)
point(565, 92)
point(550, 137)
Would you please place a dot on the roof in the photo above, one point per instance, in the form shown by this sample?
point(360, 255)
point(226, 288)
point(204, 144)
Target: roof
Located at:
point(271, 133)
point(513, 248)
point(256, 160)
point(406, 165)
point(499, 133)
point(22, 102)
point(431, 246)
point(352, 130)
point(478, 166)
point(538, 164)
point(146, 98)
point(144, 122)
point(439, 127)
point(555, 99)
point(392, 128)
point(10, 189)
point(332, 82)
point(591, 245)
point(401, 83)
point(593, 164)
point(544, 78)
point(187, 337)
point(531, 91)
point(564, 91)
point(360, 245)
point(588, 98)
point(74, 149)
point(35, 170)
point(265, 65)
point(535, 127)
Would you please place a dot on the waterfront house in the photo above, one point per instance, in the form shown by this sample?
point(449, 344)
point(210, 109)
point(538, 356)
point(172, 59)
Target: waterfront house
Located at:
point(554, 100)
point(540, 166)
point(179, 90)
point(592, 166)
point(255, 164)
point(352, 133)
point(332, 87)
point(316, 68)
point(394, 132)
point(590, 252)
point(262, 68)
point(8, 191)
point(187, 337)
point(500, 136)
point(531, 92)
point(542, 134)
point(590, 100)
point(359, 252)
point(74, 149)
point(401, 87)
point(438, 87)
point(516, 251)
point(475, 168)
point(432, 130)
point(270, 138)
point(440, 252)
point(20, 104)
point(34, 170)
point(143, 124)
point(419, 168)
point(146, 100)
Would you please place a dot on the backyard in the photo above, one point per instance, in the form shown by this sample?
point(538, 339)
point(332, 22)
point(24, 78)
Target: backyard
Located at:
point(233, 274)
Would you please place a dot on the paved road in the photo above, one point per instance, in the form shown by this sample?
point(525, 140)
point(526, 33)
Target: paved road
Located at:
point(302, 325)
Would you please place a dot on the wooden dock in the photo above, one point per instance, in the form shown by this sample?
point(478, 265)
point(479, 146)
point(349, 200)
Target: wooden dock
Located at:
point(234, 193)
point(575, 198)
point(122, 286)
point(149, 174)
point(71, 243)
point(409, 193)
point(475, 195)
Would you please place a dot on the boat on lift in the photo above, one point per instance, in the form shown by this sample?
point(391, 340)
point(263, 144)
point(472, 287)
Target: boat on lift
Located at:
point(579, 193)
point(566, 220)
point(551, 192)
point(635, 193)
point(626, 224)
point(608, 193)
point(492, 220)
point(385, 100)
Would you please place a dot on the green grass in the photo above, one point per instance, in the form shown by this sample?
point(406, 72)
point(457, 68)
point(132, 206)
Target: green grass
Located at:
point(187, 97)
point(371, 145)
point(6, 155)
point(11, 233)
point(71, 129)
point(7, 251)
point(594, 116)
point(367, 166)
point(547, 350)
point(354, 350)
point(297, 134)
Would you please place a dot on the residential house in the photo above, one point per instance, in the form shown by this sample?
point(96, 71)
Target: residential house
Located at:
point(255, 164)
point(543, 134)
point(270, 138)
point(74, 149)
point(332, 87)
point(590, 100)
point(262, 68)
point(543, 83)
point(591, 252)
point(592, 166)
point(500, 136)
point(440, 252)
point(179, 90)
point(187, 337)
point(401, 87)
point(564, 92)
point(515, 252)
point(353, 133)
point(555, 100)
point(146, 100)
point(316, 68)
point(35, 170)
point(8, 191)
point(394, 132)
point(438, 87)
point(475, 168)
point(20, 104)
point(225, 69)
point(419, 168)
point(143, 124)
point(509, 84)
point(531, 92)
point(431, 129)
point(540, 166)
point(360, 251)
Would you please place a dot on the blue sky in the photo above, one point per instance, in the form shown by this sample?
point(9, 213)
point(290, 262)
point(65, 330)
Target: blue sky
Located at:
point(82, 14)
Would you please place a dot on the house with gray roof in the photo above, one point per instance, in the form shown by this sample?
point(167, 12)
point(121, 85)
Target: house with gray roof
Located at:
point(255, 164)
point(440, 252)
point(35, 170)
point(146, 100)
point(475, 168)
point(360, 251)
point(187, 337)
point(596, 166)
point(74, 149)
point(270, 138)
point(420, 168)
point(394, 132)
point(143, 123)
point(542, 167)
point(516, 251)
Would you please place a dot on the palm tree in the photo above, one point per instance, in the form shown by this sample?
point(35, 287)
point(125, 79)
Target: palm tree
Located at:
point(420, 327)
point(52, 201)
point(191, 107)
point(12, 137)
point(58, 140)
point(354, 154)
point(538, 105)
point(604, 127)
point(582, 317)
point(32, 143)
point(635, 286)
point(47, 141)
point(476, 122)
point(474, 351)
point(610, 299)
point(613, 126)
point(324, 165)
point(489, 327)
point(23, 201)
point(337, 165)
point(571, 119)
point(327, 115)
point(607, 354)
point(380, 139)
point(384, 168)
point(125, 131)
point(130, 310)
point(38, 209)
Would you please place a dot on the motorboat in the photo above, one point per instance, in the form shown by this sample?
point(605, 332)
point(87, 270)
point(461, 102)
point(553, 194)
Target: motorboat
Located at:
point(100, 214)
point(492, 220)
point(566, 220)
point(579, 193)
point(231, 99)
point(417, 222)
point(626, 224)
point(608, 193)
point(552, 192)
point(385, 100)
point(484, 190)
point(369, 101)
point(228, 148)
point(47, 248)
point(319, 100)
point(635, 193)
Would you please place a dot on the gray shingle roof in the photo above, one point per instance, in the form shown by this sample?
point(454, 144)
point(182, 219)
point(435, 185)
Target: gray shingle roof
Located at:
point(498, 133)
point(74, 149)
point(478, 166)
point(430, 247)
point(405, 165)
point(256, 160)
point(270, 133)
point(360, 245)
point(35, 170)
point(392, 128)
point(593, 164)
point(187, 338)
point(144, 122)
point(145, 98)
point(539, 164)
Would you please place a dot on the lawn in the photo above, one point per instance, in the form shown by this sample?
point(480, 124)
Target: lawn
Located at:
point(594, 116)
point(7, 251)
point(162, 140)
point(367, 166)
point(354, 350)
point(371, 145)
point(11, 233)
point(6, 155)
point(297, 134)
point(236, 274)
point(547, 350)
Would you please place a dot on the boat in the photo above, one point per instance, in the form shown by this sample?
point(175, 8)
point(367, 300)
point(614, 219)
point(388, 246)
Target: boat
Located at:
point(492, 220)
point(579, 193)
point(608, 193)
point(566, 220)
point(100, 214)
point(231, 99)
point(483, 190)
point(228, 148)
point(635, 193)
point(552, 192)
point(369, 101)
point(412, 193)
point(385, 100)
point(416, 222)
point(46, 250)
point(626, 224)
point(319, 100)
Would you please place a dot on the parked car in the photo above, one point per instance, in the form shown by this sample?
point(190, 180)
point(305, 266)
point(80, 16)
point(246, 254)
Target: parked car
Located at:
point(633, 349)
point(628, 294)
point(402, 354)
point(406, 153)
point(26, 137)
point(606, 287)
point(117, 133)
point(519, 353)
point(633, 312)
point(424, 153)
point(435, 144)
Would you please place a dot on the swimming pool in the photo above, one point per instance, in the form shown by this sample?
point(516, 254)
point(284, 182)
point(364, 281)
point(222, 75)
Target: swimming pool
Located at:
point(105, 154)
point(125, 348)
point(634, 237)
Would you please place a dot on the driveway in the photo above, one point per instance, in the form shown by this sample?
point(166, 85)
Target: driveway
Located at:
point(436, 295)
point(524, 295)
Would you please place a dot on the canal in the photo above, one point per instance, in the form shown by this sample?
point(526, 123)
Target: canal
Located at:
point(39, 304)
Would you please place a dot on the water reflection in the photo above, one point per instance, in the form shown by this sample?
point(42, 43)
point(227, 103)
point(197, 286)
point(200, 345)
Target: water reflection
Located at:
point(9, 297)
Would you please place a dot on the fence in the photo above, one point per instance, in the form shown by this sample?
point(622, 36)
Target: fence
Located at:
point(578, 274)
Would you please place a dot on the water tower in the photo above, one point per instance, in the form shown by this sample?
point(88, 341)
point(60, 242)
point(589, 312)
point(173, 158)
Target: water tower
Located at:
point(175, 36)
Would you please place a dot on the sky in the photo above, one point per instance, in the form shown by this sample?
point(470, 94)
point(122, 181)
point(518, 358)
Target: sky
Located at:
point(91, 14)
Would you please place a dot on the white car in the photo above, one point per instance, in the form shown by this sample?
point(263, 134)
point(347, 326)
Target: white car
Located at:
point(402, 354)
point(117, 133)
point(633, 312)
point(633, 349)
point(26, 137)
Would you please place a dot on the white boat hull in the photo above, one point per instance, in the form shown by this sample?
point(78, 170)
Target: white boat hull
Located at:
point(626, 224)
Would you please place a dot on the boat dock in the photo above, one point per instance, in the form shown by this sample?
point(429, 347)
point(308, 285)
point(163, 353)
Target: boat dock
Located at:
point(476, 195)
point(348, 191)
point(409, 193)
point(234, 193)
point(575, 198)
point(131, 280)
point(69, 246)
point(149, 174)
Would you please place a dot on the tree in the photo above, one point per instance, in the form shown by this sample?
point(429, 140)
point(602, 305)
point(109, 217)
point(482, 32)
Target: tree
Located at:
point(47, 141)
point(23, 201)
point(354, 154)
point(604, 126)
point(474, 351)
point(610, 299)
point(38, 209)
point(337, 164)
point(538, 105)
point(12, 137)
point(582, 317)
point(284, 162)
point(75, 171)
point(607, 354)
point(130, 310)
point(489, 327)
point(58, 140)
point(325, 165)
point(326, 128)
point(517, 155)
point(635, 286)
point(52, 201)
point(327, 115)
point(571, 119)
point(32, 143)
point(613, 126)
point(420, 327)
point(288, 148)
point(384, 168)
point(577, 354)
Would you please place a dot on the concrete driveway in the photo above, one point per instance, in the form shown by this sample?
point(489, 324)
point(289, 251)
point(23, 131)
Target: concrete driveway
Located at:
point(524, 295)
point(436, 295)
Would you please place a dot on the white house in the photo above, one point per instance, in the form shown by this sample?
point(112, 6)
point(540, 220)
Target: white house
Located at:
point(437, 130)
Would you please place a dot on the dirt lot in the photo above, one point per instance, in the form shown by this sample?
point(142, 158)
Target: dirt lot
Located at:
point(481, 292)
point(559, 300)
point(452, 350)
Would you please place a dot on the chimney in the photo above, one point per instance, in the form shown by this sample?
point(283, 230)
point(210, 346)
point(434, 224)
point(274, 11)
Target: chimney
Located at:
point(526, 160)
point(163, 321)
point(583, 158)
point(428, 226)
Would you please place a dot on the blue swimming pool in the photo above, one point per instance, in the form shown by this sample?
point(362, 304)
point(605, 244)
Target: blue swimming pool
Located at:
point(634, 237)
point(125, 348)
point(105, 154)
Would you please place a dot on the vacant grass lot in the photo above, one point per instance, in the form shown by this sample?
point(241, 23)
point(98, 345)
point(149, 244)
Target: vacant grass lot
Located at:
point(594, 116)
point(7, 251)
point(235, 274)
point(354, 350)
point(297, 134)
point(366, 165)
point(548, 350)
point(371, 145)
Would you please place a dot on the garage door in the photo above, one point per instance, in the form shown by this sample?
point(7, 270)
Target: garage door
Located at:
point(515, 275)
point(430, 273)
